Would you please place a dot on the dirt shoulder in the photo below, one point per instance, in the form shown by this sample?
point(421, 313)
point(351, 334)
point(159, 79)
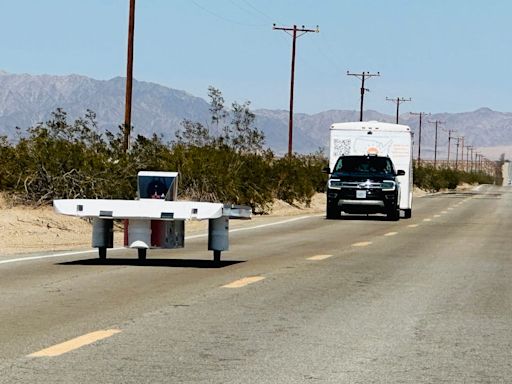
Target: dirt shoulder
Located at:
point(26, 229)
point(29, 230)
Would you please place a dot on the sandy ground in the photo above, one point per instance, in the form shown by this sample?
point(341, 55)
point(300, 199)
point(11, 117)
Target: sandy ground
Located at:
point(29, 230)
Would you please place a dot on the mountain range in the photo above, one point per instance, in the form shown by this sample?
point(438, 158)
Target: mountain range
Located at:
point(27, 99)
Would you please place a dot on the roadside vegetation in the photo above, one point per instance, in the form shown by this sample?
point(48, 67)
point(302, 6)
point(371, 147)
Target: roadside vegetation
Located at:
point(431, 179)
point(223, 160)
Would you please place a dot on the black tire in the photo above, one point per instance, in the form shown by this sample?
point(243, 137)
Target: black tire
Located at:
point(142, 252)
point(407, 213)
point(393, 214)
point(216, 256)
point(102, 252)
point(332, 212)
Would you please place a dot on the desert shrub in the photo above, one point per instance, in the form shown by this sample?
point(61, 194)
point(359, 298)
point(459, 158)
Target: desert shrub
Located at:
point(9, 168)
point(297, 178)
point(431, 179)
point(58, 159)
point(448, 178)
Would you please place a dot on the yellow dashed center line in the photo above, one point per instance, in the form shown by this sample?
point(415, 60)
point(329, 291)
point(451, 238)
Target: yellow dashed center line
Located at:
point(413, 225)
point(243, 282)
point(362, 244)
point(319, 257)
point(75, 343)
point(444, 212)
point(427, 219)
point(437, 215)
point(391, 234)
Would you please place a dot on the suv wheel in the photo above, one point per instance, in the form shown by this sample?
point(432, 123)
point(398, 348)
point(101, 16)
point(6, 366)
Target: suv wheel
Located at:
point(332, 212)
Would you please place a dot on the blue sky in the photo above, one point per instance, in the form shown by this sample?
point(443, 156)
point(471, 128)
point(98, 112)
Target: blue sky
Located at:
point(447, 55)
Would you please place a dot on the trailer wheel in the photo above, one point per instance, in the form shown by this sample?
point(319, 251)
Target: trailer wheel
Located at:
point(407, 213)
point(141, 253)
point(393, 214)
point(102, 252)
point(216, 256)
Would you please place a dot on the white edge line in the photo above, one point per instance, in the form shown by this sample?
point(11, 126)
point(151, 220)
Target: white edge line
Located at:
point(271, 224)
point(74, 253)
point(30, 258)
point(255, 227)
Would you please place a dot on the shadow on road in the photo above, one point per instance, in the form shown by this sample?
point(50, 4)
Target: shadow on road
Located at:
point(346, 217)
point(170, 263)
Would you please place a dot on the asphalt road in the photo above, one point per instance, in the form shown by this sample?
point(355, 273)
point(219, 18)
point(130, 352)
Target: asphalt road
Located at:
point(296, 300)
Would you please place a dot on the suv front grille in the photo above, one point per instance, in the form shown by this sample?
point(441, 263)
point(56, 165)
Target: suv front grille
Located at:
point(362, 185)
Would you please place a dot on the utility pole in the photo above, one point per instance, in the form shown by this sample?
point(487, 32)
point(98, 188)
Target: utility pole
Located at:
point(468, 147)
point(437, 122)
point(294, 35)
point(472, 161)
point(462, 153)
point(450, 131)
point(457, 154)
point(129, 78)
point(363, 76)
point(420, 114)
point(398, 101)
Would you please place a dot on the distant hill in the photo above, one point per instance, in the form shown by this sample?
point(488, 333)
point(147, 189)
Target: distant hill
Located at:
point(27, 99)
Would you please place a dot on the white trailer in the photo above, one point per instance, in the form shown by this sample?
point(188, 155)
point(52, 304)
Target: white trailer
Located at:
point(377, 138)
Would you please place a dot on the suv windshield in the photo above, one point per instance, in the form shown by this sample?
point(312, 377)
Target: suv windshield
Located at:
point(364, 164)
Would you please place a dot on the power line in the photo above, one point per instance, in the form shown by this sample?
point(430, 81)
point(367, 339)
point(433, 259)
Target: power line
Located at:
point(398, 101)
point(258, 10)
point(336, 67)
point(294, 35)
point(363, 76)
point(222, 17)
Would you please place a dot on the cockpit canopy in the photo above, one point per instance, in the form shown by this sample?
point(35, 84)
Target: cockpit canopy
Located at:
point(157, 185)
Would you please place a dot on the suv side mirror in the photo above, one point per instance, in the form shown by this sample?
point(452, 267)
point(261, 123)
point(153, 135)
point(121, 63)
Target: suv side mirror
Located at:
point(326, 170)
point(400, 172)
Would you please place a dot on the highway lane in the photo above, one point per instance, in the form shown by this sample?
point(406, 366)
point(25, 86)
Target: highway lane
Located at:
point(420, 300)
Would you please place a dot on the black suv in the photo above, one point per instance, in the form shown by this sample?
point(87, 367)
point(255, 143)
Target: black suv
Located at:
point(363, 184)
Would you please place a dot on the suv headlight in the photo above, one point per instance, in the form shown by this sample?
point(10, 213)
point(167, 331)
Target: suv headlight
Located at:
point(335, 183)
point(388, 185)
